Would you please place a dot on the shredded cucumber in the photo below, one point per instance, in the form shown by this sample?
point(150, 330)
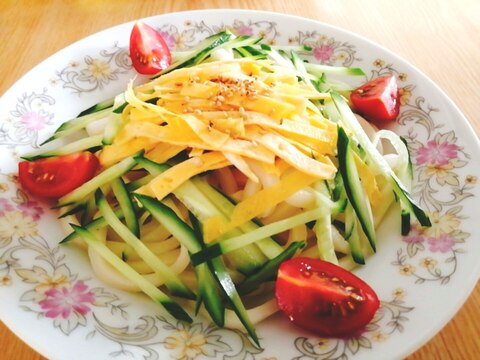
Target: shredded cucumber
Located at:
point(337, 217)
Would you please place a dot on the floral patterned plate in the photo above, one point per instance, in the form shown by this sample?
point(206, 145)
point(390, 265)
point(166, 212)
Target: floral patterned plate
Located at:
point(52, 300)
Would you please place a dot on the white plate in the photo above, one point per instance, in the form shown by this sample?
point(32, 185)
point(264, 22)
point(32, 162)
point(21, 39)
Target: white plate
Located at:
point(422, 279)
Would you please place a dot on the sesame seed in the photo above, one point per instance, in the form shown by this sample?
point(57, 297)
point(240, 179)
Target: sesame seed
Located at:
point(197, 161)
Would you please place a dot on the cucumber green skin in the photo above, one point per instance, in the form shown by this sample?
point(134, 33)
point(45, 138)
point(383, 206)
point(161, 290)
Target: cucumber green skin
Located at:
point(224, 246)
point(353, 186)
point(71, 126)
point(94, 224)
point(125, 201)
point(214, 41)
point(269, 271)
point(206, 284)
point(84, 144)
point(186, 235)
point(167, 217)
point(268, 246)
point(101, 179)
point(352, 235)
point(157, 295)
point(98, 107)
point(209, 290)
point(227, 285)
point(247, 259)
point(172, 281)
point(379, 162)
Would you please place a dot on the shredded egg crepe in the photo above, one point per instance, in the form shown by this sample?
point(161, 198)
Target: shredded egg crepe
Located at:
point(228, 113)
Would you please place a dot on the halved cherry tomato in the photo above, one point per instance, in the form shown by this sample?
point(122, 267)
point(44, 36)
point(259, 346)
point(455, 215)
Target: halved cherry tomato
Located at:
point(56, 176)
point(324, 298)
point(148, 50)
point(378, 99)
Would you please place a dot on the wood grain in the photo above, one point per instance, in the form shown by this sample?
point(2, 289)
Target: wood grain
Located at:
point(440, 37)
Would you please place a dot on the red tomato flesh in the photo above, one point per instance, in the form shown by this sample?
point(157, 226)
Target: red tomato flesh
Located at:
point(56, 176)
point(378, 99)
point(324, 298)
point(148, 50)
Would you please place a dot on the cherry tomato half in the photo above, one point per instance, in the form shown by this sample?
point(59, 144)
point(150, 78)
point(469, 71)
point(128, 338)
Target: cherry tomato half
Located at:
point(56, 176)
point(148, 50)
point(378, 99)
point(324, 298)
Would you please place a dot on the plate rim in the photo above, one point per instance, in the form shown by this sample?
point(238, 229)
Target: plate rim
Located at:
point(246, 12)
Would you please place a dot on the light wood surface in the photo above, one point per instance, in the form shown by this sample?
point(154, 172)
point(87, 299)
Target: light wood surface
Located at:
point(441, 37)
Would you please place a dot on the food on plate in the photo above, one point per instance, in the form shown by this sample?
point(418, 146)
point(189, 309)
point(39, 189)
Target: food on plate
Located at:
point(56, 176)
point(324, 298)
point(236, 160)
point(377, 99)
point(148, 50)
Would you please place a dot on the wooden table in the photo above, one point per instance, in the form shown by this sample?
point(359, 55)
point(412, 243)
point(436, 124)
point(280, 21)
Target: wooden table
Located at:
point(440, 37)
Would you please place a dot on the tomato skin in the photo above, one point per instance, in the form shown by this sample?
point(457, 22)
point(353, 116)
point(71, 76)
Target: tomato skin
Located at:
point(324, 298)
point(378, 99)
point(56, 176)
point(148, 50)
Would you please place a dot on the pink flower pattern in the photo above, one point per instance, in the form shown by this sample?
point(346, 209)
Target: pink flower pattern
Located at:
point(32, 209)
point(436, 154)
point(442, 244)
point(169, 39)
point(323, 52)
point(61, 302)
point(244, 30)
point(33, 120)
point(5, 206)
point(414, 237)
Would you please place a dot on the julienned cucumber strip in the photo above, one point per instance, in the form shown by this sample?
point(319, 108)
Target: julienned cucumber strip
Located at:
point(71, 126)
point(106, 104)
point(114, 122)
point(186, 235)
point(246, 259)
point(352, 235)
point(225, 246)
point(269, 271)
point(209, 291)
point(409, 173)
point(73, 147)
point(167, 217)
point(354, 187)
point(250, 52)
point(95, 224)
point(73, 210)
point(241, 41)
point(89, 211)
point(223, 277)
point(101, 179)
point(318, 70)
point(268, 246)
point(172, 281)
point(204, 49)
point(135, 184)
point(377, 159)
point(209, 295)
point(147, 287)
point(125, 201)
point(207, 285)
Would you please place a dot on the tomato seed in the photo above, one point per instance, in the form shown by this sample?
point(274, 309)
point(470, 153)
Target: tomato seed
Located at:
point(306, 273)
